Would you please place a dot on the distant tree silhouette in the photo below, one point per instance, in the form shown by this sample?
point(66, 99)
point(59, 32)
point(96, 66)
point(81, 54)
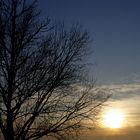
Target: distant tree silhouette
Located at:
point(40, 74)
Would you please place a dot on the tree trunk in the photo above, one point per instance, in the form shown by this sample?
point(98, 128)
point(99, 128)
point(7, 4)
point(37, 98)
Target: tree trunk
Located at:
point(9, 131)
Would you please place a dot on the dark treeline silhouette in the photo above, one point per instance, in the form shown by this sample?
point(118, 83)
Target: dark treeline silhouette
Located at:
point(40, 74)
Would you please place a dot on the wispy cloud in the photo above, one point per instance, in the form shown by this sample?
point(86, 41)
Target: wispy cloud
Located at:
point(121, 91)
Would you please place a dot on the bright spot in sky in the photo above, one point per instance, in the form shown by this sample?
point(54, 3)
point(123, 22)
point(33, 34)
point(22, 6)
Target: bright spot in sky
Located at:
point(113, 119)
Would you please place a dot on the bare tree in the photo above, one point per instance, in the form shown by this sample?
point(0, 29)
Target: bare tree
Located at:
point(40, 71)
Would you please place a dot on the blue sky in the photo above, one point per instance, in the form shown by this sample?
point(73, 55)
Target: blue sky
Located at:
point(114, 26)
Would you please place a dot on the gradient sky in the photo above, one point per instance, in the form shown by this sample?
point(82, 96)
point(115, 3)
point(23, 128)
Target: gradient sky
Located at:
point(114, 26)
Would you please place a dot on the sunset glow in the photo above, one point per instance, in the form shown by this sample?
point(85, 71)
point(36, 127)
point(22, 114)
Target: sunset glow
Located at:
point(114, 119)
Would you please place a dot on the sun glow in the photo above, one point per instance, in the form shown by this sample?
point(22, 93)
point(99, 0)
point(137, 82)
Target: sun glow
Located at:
point(114, 119)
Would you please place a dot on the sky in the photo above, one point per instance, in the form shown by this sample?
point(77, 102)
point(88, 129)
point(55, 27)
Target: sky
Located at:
point(114, 26)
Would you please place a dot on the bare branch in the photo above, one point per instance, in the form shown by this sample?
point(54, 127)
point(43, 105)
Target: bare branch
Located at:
point(41, 68)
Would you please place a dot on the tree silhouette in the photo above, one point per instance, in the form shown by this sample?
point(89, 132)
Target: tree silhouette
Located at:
point(40, 71)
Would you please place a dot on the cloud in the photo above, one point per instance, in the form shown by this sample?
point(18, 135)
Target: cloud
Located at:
point(121, 91)
point(131, 78)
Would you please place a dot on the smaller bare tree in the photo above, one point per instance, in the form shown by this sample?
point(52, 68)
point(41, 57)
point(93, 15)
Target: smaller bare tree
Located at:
point(40, 71)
